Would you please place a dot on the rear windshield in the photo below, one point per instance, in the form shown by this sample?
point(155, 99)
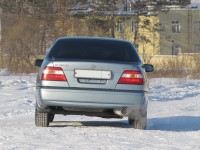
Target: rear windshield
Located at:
point(89, 49)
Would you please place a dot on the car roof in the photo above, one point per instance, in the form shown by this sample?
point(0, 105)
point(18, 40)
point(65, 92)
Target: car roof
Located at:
point(92, 38)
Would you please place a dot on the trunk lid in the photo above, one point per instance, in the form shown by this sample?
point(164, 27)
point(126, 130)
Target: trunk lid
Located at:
point(93, 74)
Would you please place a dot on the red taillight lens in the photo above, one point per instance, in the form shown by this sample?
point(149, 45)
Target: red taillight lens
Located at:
point(53, 74)
point(131, 77)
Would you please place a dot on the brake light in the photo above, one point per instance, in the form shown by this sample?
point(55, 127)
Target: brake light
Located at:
point(53, 74)
point(131, 77)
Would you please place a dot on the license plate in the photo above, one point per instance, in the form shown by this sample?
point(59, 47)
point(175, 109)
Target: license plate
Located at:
point(93, 74)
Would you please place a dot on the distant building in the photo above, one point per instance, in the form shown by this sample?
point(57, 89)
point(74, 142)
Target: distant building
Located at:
point(182, 31)
point(171, 32)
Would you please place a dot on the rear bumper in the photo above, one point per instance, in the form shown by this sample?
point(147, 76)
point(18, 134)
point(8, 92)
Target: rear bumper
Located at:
point(91, 98)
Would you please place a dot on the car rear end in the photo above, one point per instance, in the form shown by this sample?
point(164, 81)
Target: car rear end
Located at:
point(92, 76)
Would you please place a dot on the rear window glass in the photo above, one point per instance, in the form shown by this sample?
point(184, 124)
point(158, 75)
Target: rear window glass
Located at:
point(93, 49)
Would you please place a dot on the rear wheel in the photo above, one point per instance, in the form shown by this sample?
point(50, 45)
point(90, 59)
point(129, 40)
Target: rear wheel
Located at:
point(139, 123)
point(51, 117)
point(41, 119)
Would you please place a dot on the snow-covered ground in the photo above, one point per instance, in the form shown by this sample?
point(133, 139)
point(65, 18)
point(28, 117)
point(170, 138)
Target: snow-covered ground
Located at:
point(173, 121)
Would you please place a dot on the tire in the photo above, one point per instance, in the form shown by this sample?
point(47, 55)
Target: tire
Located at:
point(51, 117)
point(130, 121)
point(140, 123)
point(41, 119)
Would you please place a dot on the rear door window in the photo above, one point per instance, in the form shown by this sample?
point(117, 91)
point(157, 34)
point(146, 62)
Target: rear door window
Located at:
point(93, 49)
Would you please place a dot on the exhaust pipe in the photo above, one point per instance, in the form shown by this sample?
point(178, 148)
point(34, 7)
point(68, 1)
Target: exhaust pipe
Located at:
point(122, 111)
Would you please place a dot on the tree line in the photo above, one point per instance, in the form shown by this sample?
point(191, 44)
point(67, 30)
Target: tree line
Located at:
point(29, 27)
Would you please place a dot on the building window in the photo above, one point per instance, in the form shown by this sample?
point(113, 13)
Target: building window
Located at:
point(197, 48)
point(120, 27)
point(175, 26)
point(175, 49)
point(133, 26)
point(197, 26)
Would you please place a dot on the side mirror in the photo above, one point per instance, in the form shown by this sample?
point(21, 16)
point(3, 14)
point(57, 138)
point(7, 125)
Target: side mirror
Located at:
point(38, 62)
point(148, 67)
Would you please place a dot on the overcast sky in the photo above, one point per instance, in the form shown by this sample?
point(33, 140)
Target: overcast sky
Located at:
point(195, 1)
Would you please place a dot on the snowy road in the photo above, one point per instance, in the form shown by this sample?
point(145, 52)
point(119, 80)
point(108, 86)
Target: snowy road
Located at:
point(173, 121)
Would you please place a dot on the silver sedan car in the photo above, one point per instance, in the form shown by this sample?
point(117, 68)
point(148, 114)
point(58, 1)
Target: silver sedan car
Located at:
point(92, 76)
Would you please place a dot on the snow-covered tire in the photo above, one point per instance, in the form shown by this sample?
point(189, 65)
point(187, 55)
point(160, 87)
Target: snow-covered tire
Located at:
point(41, 119)
point(139, 123)
point(51, 117)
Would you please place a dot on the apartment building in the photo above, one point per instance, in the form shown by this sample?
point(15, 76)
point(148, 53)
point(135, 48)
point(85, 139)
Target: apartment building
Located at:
point(172, 32)
point(182, 32)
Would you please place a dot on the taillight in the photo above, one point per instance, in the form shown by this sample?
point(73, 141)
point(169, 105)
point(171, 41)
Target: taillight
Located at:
point(53, 74)
point(131, 77)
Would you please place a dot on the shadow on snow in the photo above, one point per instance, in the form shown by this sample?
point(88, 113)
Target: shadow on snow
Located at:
point(119, 124)
point(175, 123)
